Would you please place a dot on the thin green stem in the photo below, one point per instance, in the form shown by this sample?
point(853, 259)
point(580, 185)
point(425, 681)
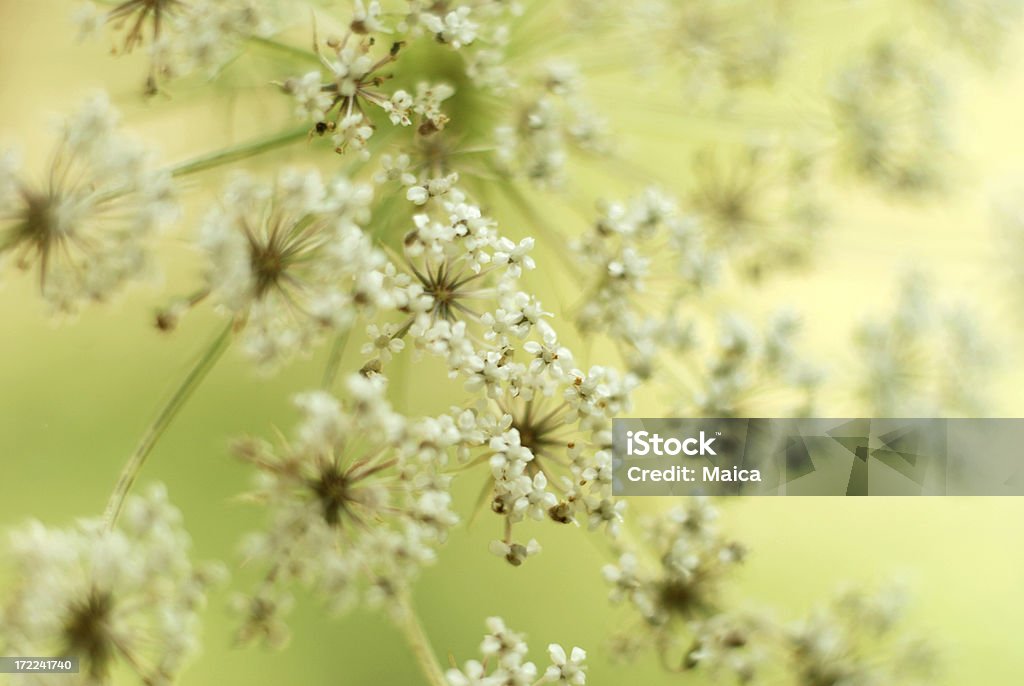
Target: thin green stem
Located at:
point(409, 622)
point(334, 360)
point(285, 49)
point(191, 382)
point(240, 152)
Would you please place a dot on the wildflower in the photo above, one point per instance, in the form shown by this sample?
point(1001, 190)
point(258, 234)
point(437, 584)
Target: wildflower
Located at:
point(566, 669)
point(504, 662)
point(353, 80)
point(455, 270)
point(981, 27)
point(729, 643)
point(184, 35)
point(289, 261)
point(356, 499)
point(454, 28)
point(547, 121)
point(890, 113)
point(692, 559)
point(366, 18)
point(842, 644)
point(719, 46)
point(545, 436)
point(924, 359)
point(515, 553)
point(86, 228)
point(633, 248)
point(759, 204)
point(383, 342)
point(128, 596)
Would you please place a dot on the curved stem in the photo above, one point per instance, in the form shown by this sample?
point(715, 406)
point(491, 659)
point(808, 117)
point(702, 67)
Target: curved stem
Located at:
point(134, 464)
point(409, 622)
point(240, 152)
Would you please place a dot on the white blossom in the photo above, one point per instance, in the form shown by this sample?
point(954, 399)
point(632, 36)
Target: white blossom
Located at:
point(128, 596)
point(87, 229)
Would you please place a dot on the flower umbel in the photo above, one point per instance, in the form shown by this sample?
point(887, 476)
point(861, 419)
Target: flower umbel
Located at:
point(87, 226)
point(129, 596)
point(357, 504)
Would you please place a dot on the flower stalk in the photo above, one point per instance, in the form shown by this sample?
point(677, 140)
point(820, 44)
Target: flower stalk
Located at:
point(133, 466)
point(412, 629)
point(240, 152)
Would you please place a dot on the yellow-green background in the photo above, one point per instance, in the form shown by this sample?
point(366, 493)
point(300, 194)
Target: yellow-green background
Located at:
point(75, 396)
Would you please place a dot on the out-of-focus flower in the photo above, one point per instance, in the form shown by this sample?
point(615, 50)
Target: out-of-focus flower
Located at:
point(926, 358)
point(128, 596)
point(890, 110)
point(87, 225)
point(982, 27)
point(691, 558)
point(290, 260)
point(647, 252)
point(357, 505)
point(857, 640)
point(184, 36)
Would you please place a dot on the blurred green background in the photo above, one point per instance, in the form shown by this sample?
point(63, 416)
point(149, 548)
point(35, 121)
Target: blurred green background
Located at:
point(75, 396)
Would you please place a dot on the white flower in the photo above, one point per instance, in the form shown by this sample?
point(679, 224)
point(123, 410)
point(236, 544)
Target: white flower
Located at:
point(311, 101)
point(128, 595)
point(515, 553)
point(398, 108)
point(88, 229)
point(504, 662)
point(455, 28)
point(516, 256)
point(366, 18)
point(566, 669)
point(383, 342)
point(290, 260)
point(890, 110)
point(357, 502)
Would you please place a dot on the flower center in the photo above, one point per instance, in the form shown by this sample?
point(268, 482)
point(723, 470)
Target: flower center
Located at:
point(87, 631)
point(268, 264)
point(334, 492)
point(40, 220)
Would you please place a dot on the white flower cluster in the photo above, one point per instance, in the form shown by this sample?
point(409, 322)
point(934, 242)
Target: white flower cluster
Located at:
point(731, 644)
point(185, 37)
point(357, 504)
point(546, 438)
point(693, 557)
point(87, 227)
point(354, 75)
point(926, 358)
point(541, 424)
point(128, 596)
point(719, 46)
point(291, 260)
point(456, 270)
point(632, 249)
point(545, 121)
point(982, 27)
point(504, 663)
point(890, 111)
point(760, 203)
point(857, 640)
